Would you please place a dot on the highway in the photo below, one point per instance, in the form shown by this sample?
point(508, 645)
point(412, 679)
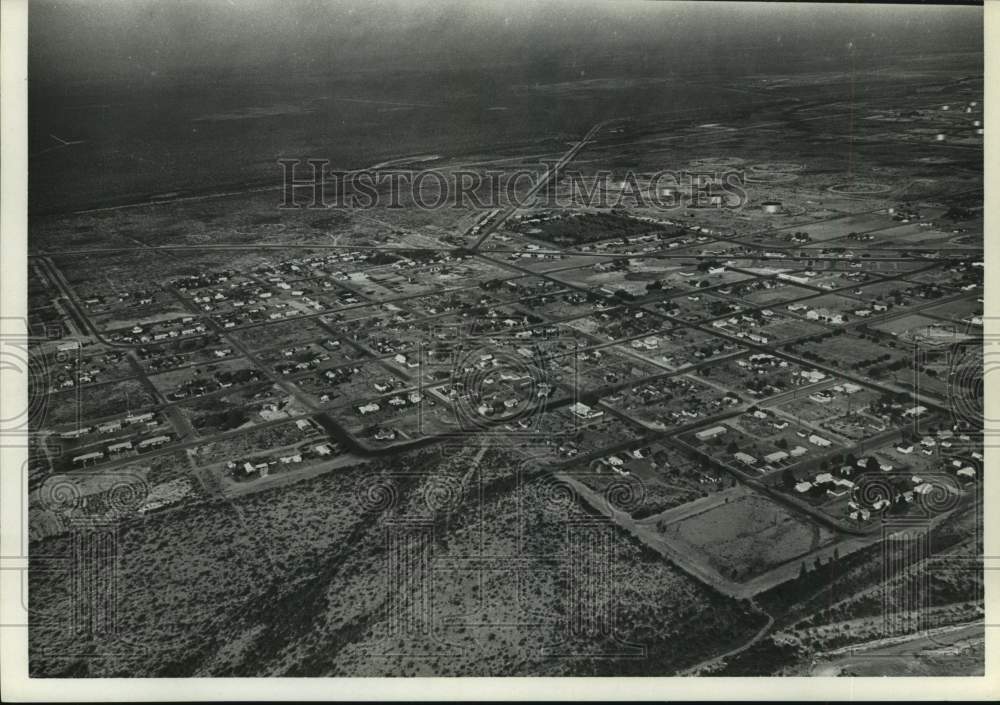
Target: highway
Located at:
point(505, 215)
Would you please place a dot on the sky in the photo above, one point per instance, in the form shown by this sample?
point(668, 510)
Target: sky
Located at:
point(72, 40)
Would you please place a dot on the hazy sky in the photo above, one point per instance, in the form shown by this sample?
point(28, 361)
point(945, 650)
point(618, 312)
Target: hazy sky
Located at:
point(149, 38)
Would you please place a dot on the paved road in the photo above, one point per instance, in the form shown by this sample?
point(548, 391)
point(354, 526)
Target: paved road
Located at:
point(883, 654)
point(505, 215)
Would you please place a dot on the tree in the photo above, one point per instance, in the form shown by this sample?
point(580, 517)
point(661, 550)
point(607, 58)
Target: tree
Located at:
point(732, 448)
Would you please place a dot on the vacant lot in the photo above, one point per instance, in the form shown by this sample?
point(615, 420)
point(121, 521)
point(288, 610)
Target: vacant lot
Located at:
point(748, 536)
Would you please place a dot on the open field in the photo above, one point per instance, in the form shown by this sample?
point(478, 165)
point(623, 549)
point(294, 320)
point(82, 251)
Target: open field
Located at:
point(747, 535)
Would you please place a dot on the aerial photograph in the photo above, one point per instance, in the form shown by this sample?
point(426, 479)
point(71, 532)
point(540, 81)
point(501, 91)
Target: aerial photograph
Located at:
point(404, 338)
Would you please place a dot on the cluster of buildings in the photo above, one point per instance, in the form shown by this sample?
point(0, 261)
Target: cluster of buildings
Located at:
point(121, 447)
point(183, 327)
point(131, 299)
point(397, 402)
point(307, 361)
point(747, 326)
point(198, 386)
point(74, 370)
point(825, 484)
point(147, 419)
point(259, 467)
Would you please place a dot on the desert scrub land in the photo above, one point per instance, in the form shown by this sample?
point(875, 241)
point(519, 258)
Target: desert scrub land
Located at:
point(442, 563)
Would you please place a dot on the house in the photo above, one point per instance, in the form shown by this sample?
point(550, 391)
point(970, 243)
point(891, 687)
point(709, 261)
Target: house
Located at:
point(905, 450)
point(120, 447)
point(369, 408)
point(745, 458)
point(776, 457)
point(87, 458)
point(819, 441)
point(710, 433)
point(813, 375)
point(797, 451)
point(153, 442)
point(110, 426)
point(803, 487)
point(585, 412)
point(76, 433)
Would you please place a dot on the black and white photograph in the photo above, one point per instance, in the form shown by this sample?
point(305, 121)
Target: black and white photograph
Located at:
point(404, 339)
